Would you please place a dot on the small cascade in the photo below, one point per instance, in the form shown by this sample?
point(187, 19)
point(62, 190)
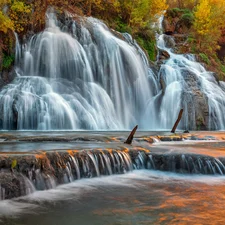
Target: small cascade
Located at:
point(47, 170)
point(186, 164)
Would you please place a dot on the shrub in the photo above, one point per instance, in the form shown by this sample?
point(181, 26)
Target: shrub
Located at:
point(188, 19)
point(7, 61)
point(204, 58)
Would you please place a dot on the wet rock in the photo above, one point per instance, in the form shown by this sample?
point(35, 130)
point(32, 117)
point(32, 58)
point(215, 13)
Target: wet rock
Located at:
point(163, 55)
point(170, 138)
point(195, 102)
point(169, 25)
point(187, 163)
point(13, 185)
point(7, 76)
point(169, 41)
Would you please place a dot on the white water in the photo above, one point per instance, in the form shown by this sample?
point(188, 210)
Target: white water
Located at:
point(88, 79)
point(180, 92)
point(82, 76)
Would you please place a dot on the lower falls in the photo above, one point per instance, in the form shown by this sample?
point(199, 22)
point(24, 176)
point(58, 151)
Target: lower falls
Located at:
point(23, 173)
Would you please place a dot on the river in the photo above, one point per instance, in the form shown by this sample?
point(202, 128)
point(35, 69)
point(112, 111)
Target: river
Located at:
point(137, 197)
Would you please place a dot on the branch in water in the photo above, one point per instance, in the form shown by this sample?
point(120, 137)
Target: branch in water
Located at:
point(131, 136)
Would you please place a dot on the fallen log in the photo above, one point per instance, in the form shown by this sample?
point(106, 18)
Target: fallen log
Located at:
point(177, 121)
point(131, 136)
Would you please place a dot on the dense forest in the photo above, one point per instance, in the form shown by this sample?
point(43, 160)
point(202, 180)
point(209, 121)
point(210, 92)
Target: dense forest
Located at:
point(202, 19)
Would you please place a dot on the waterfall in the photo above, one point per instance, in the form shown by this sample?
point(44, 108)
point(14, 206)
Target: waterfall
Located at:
point(79, 74)
point(46, 171)
point(186, 84)
point(43, 171)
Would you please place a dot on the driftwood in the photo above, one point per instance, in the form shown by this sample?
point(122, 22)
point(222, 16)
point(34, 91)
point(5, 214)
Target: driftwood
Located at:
point(177, 121)
point(131, 136)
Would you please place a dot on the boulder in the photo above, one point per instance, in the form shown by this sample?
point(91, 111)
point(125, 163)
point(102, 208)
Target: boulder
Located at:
point(169, 25)
point(163, 55)
point(169, 41)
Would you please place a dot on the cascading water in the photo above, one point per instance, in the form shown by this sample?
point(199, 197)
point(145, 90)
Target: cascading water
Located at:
point(44, 171)
point(79, 75)
point(186, 84)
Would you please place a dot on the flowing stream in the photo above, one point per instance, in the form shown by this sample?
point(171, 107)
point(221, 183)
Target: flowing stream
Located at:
point(94, 178)
point(186, 81)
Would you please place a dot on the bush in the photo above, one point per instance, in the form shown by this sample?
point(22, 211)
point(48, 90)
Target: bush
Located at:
point(122, 27)
point(204, 58)
point(149, 46)
point(177, 12)
point(188, 19)
point(7, 61)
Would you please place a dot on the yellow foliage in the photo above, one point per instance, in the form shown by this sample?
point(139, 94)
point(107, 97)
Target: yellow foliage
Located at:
point(202, 15)
point(19, 14)
point(156, 7)
point(5, 23)
point(4, 2)
point(209, 22)
point(140, 12)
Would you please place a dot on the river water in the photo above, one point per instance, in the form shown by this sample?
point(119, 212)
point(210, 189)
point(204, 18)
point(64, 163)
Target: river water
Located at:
point(137, 197)
point(141, 197)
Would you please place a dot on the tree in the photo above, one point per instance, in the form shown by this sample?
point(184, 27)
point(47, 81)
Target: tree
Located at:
point(5, 22)
point(19, 14)
point(138, 13)
point(209, 18)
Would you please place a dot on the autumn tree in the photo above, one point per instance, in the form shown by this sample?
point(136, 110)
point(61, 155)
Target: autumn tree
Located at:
point(138, 13)
point(5, 22)
point(19, 14)
point(209, 19)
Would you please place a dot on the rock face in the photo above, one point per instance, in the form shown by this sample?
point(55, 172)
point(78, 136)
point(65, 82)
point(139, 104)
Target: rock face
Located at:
point(178, 28)
point(163, 55)
point(169, 26)
point(169, 41)
point(194, 102)
point(175, 23)
point(7, 76)
point(197, 106)
point(221, 51)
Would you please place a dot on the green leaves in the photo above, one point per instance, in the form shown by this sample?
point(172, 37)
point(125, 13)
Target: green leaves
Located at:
point(7, 61)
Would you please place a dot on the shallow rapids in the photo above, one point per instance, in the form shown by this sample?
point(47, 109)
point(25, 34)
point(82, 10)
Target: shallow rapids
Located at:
point(140, 197)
